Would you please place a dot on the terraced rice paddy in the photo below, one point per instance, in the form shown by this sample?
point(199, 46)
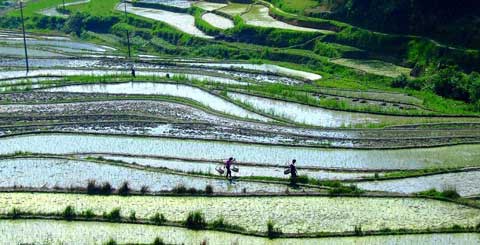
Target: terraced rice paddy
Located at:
point(265, 68)
point(24, 231)
point(218, 21)
point(440, 157)
point(374, 66)
point(80, 116)
point(174, 3)
point(184, 91)
point(209, 6)
point(316, 116)
point(293, 214)
point(234, 9)
point(59, 173)
point(465, 183)
point(183, 22)
point(209, 167)
point(257, 15)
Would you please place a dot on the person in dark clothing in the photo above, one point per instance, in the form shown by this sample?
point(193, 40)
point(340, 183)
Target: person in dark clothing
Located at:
point(228, 166)
point(133, 71)
point(293, 173)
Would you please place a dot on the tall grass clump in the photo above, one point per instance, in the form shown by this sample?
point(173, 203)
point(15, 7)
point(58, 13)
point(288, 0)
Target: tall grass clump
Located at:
point(158, 219)
point(111, 242)
point(195, 221)
point(113, 215)
point(209, 190)
point(272, 231)
point(449, 193)
point(158, 241)
point(69, 213)
point(124, 189)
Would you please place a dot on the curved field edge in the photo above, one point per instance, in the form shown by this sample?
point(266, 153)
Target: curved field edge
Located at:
point(247, 212)
point(144, 231)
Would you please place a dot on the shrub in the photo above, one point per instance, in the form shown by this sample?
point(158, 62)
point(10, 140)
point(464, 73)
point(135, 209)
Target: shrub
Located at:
point(69, 213)
point(195, 220)
point(144, 190)
point(113, 215)
point(351, 189)
point(209, 190)
point(87, 214)
point(272, 231)
point(448, 193)
point(124, 189)
point(221, 224)
point(14, 213)
point(179, 189)
point(158, 219)
point(132, 216)
point(106, 189)
point(358, 230)
point(111, 242)
point(92, 187)
point(158, 241)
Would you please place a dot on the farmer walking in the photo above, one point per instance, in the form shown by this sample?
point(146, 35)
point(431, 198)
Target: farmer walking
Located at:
point(293, 173)
point(228, 166)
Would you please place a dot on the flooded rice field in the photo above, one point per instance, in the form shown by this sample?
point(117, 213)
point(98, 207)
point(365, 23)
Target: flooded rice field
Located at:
point(265, 68)
point(183, 91)
point(209, 6)
point(258, 16)
point(294, 214)
point(17, 51)
point(209, 167)
point(218, 21)
point(64, 232)
point(175, 3)
point(181, 21)
point(439, 157)
point(465, 183)
point(64, 174)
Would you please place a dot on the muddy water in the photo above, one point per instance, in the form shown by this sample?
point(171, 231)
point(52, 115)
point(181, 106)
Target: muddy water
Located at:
point(462, 155)
point(38, 173)
point(63, 232)
point(184, 91)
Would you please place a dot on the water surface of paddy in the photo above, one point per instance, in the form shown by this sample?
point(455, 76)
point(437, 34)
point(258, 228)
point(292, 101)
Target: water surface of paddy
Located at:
point(465, 183)
point(63, 232)
point(218, 21)
point(50, 173)
point(265, 68)
point(453, 156)
point(209, 167)
point(258, 16)
point(184, 91)
point(181, 21)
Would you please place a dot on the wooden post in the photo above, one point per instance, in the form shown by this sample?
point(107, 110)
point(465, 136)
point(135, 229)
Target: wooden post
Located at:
point(24, 37)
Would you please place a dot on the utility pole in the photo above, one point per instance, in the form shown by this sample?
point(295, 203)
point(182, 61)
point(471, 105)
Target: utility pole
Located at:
point(128, 34)
point(24, 37)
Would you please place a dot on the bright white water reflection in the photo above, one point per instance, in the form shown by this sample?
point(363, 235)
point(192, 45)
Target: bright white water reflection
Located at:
point(462, 155)
point(184, 91)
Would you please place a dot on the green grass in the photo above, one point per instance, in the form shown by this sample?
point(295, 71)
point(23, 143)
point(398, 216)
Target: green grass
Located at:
point(96, 7)
point(295, 6)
